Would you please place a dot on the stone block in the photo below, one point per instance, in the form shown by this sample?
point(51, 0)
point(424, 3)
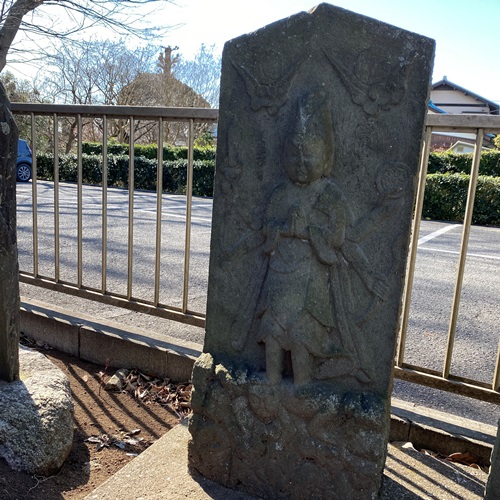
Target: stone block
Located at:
point(36, 416)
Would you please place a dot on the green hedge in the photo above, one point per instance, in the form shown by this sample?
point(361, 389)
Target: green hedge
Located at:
point(150, 151)
point(446, 197)
point(174, 172)
point(455, 163)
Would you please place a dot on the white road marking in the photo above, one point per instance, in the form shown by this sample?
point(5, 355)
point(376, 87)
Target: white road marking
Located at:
point(493, 257)
point(437, 233)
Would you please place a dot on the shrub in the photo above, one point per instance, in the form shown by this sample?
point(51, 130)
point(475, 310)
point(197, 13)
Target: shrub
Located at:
point(446, 197)
point(175, 177)
point(449, 162)
point(490, 163)
point(145, 172)
point(150, 151)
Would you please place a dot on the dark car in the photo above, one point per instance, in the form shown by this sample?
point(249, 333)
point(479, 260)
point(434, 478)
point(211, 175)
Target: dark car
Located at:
point(24, 161)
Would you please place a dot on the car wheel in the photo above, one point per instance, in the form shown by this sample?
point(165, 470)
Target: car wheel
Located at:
point(23, 172)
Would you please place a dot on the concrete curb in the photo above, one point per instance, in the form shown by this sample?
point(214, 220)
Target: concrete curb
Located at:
point(109, 344)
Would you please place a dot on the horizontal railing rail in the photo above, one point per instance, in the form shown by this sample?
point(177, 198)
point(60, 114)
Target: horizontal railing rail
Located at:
point(443, 379)
point(463, 123)
point(203, 115)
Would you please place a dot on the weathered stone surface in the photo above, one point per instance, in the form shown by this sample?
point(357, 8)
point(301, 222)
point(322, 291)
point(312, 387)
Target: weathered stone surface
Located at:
point(492, 491)
point(9, 268)
point(269, 437)
point(320, 127)
point(36, 416)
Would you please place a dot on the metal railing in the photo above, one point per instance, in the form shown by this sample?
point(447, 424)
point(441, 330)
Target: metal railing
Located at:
point(479, 125)
point(189, 116)
point(441, 379)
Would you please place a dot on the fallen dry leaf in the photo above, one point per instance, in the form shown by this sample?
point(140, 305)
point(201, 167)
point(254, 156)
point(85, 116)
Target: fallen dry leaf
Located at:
point(430, 453)
point(148, 388)
point(463, 458)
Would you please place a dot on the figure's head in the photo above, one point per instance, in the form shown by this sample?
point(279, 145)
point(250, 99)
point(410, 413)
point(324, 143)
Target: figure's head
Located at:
point(309, 149)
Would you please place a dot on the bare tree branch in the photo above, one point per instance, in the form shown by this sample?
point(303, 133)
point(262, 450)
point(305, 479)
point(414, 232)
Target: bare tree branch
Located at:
point(11, 22)
point(202, 73)
point(44, 18)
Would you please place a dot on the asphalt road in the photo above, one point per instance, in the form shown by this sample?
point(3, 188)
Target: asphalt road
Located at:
point(477, 331)
point(143, 269)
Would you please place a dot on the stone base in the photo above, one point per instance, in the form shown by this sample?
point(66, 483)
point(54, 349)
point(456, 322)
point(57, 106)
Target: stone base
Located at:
point(286, 441)
point(36, 416)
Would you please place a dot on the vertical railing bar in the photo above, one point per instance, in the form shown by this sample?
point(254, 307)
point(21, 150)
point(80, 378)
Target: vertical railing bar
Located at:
point(159, 195)
point(463, 251)
point(79, 203)
point(130, 253)
point(34, 195)
point(104, 236)
point(424, 161)
point(56, 200)
point(496, 376)
point(189, 199)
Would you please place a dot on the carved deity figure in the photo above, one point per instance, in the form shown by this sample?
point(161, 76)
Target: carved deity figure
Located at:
point(305, 306)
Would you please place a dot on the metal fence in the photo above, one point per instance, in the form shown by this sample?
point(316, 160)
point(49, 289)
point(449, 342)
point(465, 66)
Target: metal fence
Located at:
point(478, 125)
point(189, 116)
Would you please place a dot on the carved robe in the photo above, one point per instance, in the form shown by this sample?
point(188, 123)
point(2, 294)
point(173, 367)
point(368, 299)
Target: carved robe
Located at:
point(306, 284)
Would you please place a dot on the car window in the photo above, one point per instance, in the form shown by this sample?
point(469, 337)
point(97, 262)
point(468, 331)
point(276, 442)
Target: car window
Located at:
point(23, 148)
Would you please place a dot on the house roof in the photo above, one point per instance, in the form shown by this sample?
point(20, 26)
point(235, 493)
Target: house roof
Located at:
point(466, 144)
point(445, 84)
point(434, 108)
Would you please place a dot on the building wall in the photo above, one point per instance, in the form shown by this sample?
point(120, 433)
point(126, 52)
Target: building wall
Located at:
point(456, 102)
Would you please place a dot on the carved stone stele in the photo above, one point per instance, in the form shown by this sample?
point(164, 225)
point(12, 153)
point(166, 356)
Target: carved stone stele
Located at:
point(320, 129)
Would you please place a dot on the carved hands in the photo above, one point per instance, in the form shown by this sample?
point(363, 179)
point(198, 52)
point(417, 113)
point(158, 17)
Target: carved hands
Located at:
point(295, 227)
point(298, 223)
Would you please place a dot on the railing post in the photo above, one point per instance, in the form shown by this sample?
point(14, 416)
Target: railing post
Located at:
point(56, 199)
point(424, 161)
point(159, 196)
point(34, 195)
point(79, 203)
point(104, 237)
point(130, 209)
point(463, 251)
point(189, 201)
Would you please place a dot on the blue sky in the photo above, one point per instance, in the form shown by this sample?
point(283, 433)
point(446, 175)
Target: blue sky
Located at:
point(467, 32)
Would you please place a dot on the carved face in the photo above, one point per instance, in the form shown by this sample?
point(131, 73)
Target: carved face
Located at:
point(309, 149)
point(308, 159)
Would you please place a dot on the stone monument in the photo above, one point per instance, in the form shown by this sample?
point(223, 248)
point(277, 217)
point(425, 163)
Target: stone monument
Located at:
point(320, 131)
point(9, 268)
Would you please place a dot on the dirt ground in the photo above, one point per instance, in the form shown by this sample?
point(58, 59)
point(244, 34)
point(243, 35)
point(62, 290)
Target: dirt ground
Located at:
point(109, 419)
